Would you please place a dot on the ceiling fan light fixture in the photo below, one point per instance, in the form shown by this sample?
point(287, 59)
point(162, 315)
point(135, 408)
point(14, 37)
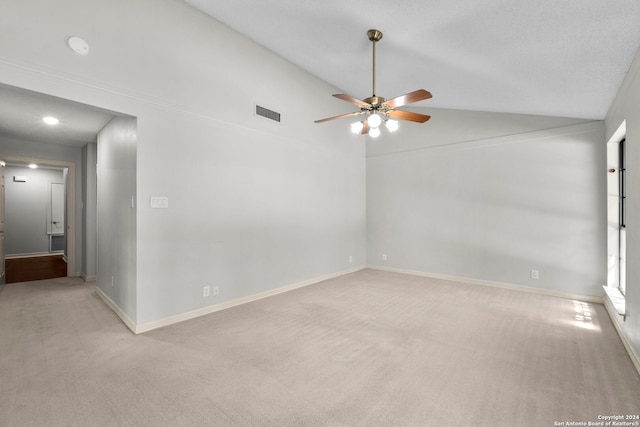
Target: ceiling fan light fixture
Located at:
point(377, 108)
point(374, 120)
point(391, 125)
point(356, 127)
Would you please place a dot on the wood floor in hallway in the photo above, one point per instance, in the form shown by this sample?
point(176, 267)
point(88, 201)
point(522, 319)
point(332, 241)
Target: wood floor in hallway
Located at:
point(35, 268)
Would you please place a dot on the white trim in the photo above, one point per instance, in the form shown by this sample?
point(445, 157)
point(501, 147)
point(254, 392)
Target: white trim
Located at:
point(148, 326)
point(88, 278)
point(121, 314)
point(521, 288)
point(616, 298)
point(615, 319)
point(614, 231)
point(619, 134)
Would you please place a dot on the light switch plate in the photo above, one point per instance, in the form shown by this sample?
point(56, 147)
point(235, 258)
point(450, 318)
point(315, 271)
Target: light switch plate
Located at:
point(158, 202)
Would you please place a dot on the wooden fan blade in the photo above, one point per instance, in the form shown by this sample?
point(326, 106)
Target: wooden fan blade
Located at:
point(351, 100)
point(357, 113)
point(408, 115)
point(365, 128)
point(409, 98)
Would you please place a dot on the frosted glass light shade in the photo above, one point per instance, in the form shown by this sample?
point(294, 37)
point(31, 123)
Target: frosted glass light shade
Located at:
point(356, 127)
point(391, 125)
point(374, 120)
point(374, 132)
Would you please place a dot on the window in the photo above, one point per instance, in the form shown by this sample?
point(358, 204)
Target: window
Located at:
point(616, 220)
point(622, 251)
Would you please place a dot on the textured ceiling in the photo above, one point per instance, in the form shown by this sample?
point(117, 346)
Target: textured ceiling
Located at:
point(560, 58)
point(21, 113)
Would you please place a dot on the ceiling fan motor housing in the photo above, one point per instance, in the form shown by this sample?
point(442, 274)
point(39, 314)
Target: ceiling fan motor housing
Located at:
point(375, 101)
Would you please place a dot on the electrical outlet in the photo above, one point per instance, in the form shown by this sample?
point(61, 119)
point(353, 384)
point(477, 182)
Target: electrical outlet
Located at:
point(205, 291)
point(216, 290)
point(535, 274)
point(350, 258)
point(384, 257)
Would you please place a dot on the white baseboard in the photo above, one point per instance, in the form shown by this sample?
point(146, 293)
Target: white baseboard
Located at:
point(615, 319)
point(148, 326)
point(121, 314)
point(87, 278)
point(522, 288)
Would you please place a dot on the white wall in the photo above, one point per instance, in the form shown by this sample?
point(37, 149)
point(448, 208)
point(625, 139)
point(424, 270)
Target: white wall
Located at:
point(116, 197)
point(253, 205)
point(441, 202)
point(626, 106)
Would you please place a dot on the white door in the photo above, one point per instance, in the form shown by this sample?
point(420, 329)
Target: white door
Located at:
point(56, 223)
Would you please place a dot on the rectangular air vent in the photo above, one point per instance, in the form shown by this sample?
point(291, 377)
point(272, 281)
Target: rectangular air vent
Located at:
point(266, 113)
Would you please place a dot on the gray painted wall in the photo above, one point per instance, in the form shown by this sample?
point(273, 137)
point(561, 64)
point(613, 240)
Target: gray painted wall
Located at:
point(116, 245)
point(626, 106)
point(89, 212)
point(26, 209)
point(494, 208)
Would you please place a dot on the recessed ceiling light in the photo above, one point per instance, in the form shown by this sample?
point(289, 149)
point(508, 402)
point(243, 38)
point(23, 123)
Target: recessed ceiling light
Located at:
point(50, 120)
point(78, 45)
point(33, 166)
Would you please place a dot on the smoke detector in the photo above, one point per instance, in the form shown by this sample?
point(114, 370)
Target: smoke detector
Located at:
point(78, 45)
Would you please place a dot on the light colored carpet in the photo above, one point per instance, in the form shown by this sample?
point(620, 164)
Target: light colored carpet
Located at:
point(367, 349)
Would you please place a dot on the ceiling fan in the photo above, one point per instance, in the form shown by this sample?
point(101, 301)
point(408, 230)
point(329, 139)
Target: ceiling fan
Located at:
point(379, 109)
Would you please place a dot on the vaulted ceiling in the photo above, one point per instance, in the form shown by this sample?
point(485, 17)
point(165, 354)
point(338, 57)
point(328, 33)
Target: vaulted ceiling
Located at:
point(560, 58)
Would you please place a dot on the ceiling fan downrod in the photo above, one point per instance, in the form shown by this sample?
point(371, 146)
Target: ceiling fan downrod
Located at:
point(374, 36)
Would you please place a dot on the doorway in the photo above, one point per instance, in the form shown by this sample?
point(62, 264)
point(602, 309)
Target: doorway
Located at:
point(39, 215)
point(27, 137)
